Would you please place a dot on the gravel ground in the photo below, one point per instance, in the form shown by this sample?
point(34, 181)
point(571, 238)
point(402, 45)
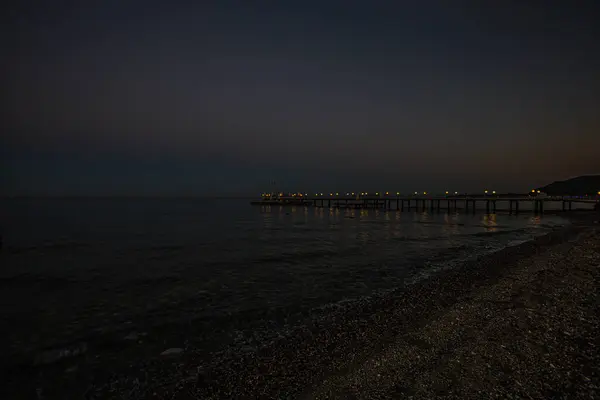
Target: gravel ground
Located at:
point(521, 323)
point(531, 334)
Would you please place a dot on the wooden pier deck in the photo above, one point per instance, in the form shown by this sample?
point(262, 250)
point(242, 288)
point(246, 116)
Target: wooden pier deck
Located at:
point(439, 203)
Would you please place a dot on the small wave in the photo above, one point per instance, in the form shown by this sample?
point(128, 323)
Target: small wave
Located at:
point(47, 246)
point(304, 255)
point(463, 235)
point(28, 279)
point(174, 247)
point(169, 247)
point(415, 239)
point(492, 226)
point(152, 281)
point(517, 242)
point(495, 232)
point(438, 223)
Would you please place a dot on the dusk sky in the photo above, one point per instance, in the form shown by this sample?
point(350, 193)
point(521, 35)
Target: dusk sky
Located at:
point(177, 98)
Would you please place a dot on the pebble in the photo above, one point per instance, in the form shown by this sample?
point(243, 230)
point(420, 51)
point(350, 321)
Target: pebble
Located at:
point(132, 336)
point(135, 336)
point(54, 355)
point(172, 351)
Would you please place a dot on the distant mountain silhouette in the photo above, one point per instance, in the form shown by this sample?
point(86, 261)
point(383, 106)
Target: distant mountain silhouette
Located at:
point(587, 184)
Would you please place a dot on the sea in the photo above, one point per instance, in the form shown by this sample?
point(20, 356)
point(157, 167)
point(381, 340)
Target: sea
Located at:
point(210, 274)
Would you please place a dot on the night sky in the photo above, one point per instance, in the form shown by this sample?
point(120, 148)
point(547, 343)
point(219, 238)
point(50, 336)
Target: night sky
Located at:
point(198, 98)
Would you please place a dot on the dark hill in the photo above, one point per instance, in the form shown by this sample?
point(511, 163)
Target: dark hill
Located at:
point(582, 185)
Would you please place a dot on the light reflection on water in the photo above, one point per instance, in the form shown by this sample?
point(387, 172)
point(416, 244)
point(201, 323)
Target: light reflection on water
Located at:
point(535, 220)
point(489, 221)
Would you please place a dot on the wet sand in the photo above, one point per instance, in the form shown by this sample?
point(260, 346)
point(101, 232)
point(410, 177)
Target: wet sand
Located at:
point(521, 323)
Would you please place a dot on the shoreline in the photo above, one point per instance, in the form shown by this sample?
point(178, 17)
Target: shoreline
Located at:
point(337, 342)
point(325, 359)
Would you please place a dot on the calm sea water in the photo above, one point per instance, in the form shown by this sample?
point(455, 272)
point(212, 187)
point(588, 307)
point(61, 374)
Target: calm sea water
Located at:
point(83, 269)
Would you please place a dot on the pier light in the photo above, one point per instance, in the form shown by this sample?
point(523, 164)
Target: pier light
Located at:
point(425, 193)
point(598, 192)
point(538, 191)
point(352, 193)
point(485, 191)
point(366, 194)
point(493, 192)
point(446, 192)
point(331, 194)
point(377, 194)
point(386, 193)
point(455, 192)
point(416, 193)
point(532, 190)
point(398, 193)
point(362, 193)
point(337, 194)
point(321, 194)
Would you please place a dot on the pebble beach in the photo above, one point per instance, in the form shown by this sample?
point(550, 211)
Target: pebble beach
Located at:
point(522, 323)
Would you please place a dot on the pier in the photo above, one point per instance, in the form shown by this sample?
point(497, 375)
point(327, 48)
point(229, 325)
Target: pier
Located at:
point(491, 204)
